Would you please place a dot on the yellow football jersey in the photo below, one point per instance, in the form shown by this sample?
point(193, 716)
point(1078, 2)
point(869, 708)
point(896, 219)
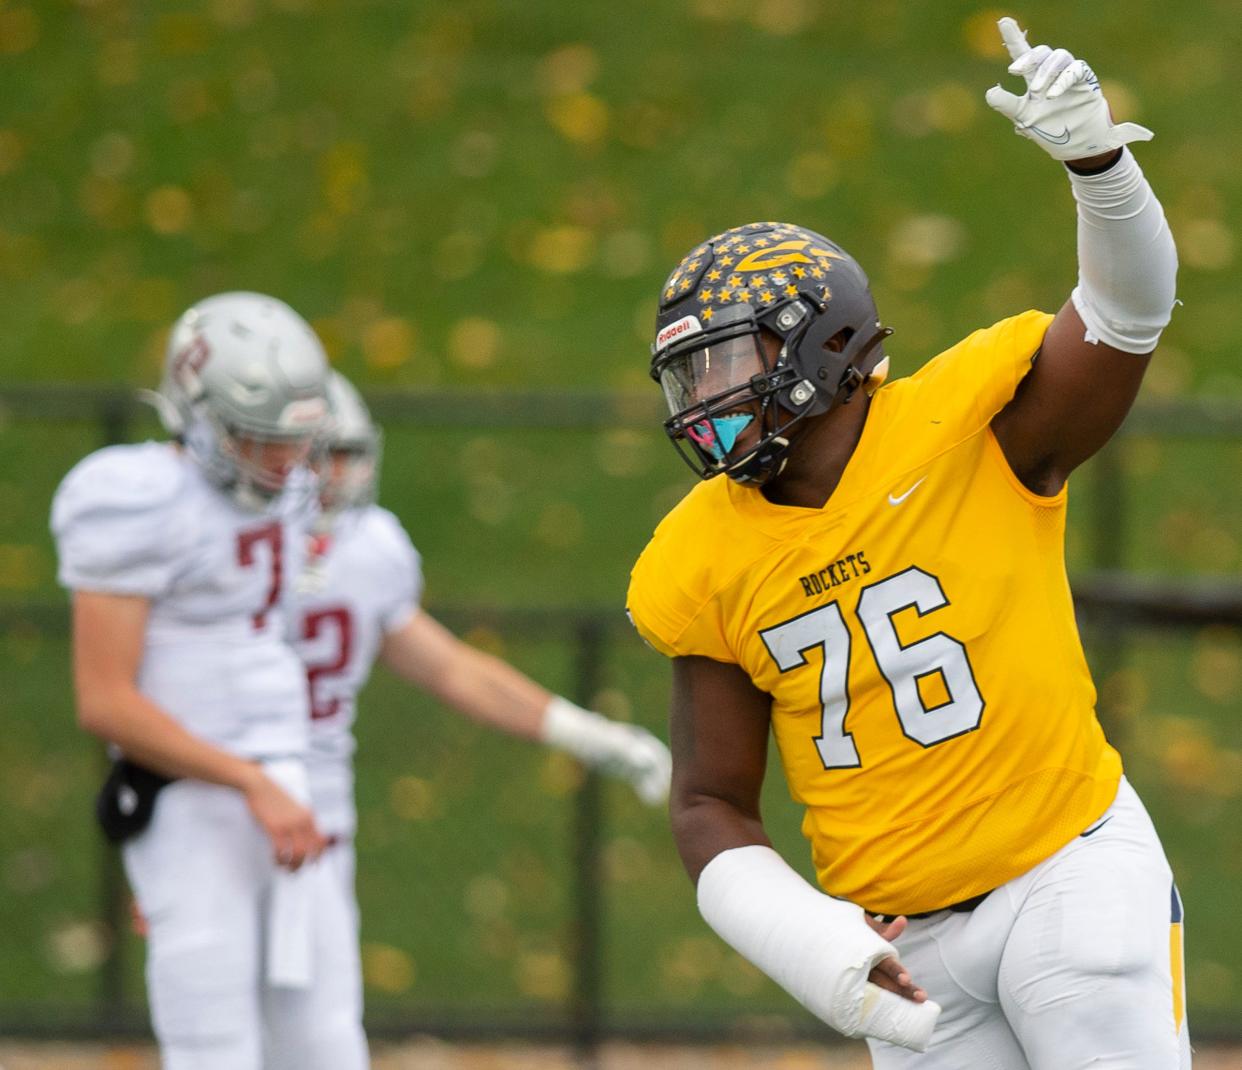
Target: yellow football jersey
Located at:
point(930, 698)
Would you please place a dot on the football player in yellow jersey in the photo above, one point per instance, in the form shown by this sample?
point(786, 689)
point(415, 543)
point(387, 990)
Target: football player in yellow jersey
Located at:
point(879, 581)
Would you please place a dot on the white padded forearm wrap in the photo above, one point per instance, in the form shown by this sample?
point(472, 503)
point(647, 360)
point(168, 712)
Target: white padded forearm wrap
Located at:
point(1127, 262)
point(819, 949)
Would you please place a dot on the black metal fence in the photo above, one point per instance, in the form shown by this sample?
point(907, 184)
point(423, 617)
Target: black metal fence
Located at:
point(1110, 600)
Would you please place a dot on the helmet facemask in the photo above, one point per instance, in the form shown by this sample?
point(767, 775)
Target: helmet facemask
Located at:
point(351, 446)
point(723, 400)
point(265, 465)
point(347, 478)
point(727, 383)
point(254, 468)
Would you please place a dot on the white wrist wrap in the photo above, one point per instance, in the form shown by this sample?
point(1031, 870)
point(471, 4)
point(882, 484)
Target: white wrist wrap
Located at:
point(1127, 262)
point(819, 949)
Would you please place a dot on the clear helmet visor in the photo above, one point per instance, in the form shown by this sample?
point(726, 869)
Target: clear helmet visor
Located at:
point(701, 375)
point(711, 379)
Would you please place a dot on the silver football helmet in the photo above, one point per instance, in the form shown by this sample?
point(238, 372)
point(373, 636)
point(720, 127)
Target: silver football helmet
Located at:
point(245, 389)
point(350, 471)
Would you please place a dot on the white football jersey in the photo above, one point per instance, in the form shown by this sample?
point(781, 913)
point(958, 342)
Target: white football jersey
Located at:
point(364, 581)
point(144, 520)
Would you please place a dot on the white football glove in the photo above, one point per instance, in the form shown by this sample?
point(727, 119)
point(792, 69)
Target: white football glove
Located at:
point(613, 747)
point(1062, 110)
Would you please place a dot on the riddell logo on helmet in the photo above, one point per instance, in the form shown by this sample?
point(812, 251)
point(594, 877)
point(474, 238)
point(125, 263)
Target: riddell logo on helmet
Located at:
point(685, 325)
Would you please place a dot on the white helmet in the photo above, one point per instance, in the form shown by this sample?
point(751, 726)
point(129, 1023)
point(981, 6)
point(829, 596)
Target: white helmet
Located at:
point(245, 379)
point(353, 443)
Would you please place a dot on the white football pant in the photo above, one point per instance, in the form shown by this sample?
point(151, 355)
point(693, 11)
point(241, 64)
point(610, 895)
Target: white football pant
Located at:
point(202, 874)
point(1077, 963)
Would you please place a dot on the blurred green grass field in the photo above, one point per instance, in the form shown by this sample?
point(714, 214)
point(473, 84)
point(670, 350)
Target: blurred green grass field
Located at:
point(487, 195)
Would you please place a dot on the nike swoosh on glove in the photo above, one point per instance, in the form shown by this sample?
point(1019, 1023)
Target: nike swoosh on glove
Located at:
point(1062, 110)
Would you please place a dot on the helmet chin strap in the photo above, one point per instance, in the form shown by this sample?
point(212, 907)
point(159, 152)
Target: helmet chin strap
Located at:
point(763, 466)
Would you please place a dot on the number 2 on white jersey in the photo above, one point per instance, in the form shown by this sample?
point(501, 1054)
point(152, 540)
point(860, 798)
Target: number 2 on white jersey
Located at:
point(337, 622)
point(902, 667)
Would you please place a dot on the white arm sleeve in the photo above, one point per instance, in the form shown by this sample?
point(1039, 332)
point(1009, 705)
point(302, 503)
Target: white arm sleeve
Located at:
point(1127, 262)
point(819, 949)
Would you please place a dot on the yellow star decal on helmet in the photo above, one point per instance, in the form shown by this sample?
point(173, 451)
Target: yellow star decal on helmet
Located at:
point(799, 272)
point(741, 248)
point(726, 261)
point(693, 265)
point(724, 296)
point(791, 290)
point(684, 285)
point(706, 293)
point(708, 313)
point(761, 242)
point(779, 278)
point(743, 295)
point(759, 280)
point(816, 273)
point(767, 297)
point(714, 274)
point(735, 281)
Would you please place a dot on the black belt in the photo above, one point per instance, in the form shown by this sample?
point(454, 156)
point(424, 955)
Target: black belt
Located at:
point(964, 907)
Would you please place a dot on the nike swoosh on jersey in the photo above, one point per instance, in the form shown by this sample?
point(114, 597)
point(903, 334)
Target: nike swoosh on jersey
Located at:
point(1096, 828)
point(898, 499)
point(1056, 139)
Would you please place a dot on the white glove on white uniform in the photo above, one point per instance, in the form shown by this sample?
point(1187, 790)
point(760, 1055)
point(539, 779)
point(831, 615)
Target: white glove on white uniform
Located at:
point(1062, 110)
point(621, 750)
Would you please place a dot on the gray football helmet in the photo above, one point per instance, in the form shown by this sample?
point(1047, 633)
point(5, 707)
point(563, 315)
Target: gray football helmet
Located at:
point(245, 390)
point(353, 444)
point(708, 356)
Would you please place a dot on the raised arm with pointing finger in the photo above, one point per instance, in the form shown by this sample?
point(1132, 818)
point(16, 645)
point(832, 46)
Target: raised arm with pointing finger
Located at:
point(879, 584)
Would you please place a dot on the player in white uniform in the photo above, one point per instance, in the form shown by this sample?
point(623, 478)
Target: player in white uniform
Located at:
point(359, 601)
point(179, 556)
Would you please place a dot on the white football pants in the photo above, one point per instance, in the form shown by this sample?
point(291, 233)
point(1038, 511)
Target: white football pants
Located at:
point(202, 874)
point(1077, 963)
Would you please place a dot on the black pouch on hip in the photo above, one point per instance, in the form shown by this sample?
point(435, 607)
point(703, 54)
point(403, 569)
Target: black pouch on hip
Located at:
point(126, 801)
